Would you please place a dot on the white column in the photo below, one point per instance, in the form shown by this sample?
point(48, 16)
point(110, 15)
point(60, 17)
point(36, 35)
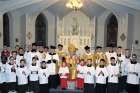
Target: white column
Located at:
point(123, 29)
point(30, 29)
point(15, 30)
point(1, 31)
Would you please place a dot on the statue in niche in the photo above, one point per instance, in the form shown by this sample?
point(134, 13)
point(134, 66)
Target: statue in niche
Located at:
point(75, 26)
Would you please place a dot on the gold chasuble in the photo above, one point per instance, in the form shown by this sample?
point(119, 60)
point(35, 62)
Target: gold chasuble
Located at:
point(88, 56)
point(72, 60)
point(98, 56)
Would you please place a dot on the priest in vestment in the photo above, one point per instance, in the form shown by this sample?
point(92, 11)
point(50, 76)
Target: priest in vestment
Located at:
point(72, 60)
point(88, 55)
point(99, 55)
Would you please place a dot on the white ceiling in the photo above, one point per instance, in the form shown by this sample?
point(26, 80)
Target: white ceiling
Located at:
point(57, 7)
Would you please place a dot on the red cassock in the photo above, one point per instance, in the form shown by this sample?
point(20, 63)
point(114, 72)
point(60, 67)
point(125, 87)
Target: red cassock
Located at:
point(80, 83)
point(63, 82)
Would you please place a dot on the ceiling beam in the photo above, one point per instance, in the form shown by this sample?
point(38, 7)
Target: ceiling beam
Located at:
point(135, 4)
point(117, 8)
point(7, 6)
point(37, 7)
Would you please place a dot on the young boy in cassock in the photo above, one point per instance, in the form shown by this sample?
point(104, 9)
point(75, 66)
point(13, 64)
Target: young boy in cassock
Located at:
point(80, 74)
point(33, 76)
point(122, 65)
point(22, 76)
point(113, 70)
point(19, 56)
point(11, 74)
point(63, 72)
point(52, 63)
point(133, 75)
point(2, 79)
point(101, 77)
point(43, 78)
point(89, 77)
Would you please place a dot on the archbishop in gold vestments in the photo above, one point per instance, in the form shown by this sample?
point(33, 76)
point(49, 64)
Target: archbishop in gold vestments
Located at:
point(72, 61)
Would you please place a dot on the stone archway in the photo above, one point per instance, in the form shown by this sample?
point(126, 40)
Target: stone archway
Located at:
point(6, 30)
point(111, 30)
point(41, 27)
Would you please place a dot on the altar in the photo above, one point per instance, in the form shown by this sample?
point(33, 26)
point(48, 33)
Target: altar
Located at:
point(76, 28)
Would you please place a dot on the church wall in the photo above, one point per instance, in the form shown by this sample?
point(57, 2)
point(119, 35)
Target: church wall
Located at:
point(137, 28)
point(15, 28)
point(1, 31)
point(122, 29)
point(30, 27)
point(130, 30)
point(51, 34)
point(23, 30)
point(136, 33)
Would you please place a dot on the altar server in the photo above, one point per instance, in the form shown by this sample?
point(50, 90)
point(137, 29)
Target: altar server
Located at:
point(10, 71)
point(22, 77)
point(63, 72)
point(113, 70)
point(33, 76)
point(88, 55)
point(122, 65)
point(89, 77)
point(43, 78)
point(110, 53)
point(133, 75)
point(2, 79)
point(19, 56)
point(80, 74)
point(101, 77)
point(31, 54)
point(52, 63)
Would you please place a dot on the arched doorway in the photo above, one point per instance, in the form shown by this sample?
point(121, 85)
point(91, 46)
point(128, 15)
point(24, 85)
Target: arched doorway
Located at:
point(41, 29)
point(112, 31)
point(6, 32)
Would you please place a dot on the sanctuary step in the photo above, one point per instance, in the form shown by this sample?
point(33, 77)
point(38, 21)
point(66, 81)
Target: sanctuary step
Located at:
point(65, 91)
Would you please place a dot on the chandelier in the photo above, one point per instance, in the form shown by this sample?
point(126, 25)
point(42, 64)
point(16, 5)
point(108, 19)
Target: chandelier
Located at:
point(74, 4)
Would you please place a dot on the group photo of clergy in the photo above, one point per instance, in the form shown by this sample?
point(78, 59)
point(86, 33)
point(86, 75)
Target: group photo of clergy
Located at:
point(38, 69)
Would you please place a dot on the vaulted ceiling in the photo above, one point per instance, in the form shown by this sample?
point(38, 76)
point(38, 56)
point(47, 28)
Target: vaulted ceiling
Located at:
point(57, 7)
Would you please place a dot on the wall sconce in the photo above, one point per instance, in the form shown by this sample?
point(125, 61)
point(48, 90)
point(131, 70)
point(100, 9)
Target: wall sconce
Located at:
point(16, 40)
point(29, 35)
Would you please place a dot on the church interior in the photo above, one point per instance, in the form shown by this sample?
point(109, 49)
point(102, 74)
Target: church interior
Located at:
point(22, 20)
point(79, 22)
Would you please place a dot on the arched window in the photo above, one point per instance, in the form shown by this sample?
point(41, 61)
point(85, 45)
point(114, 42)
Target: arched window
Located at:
point(41, 27)
point(6, 32)
point(112, 31)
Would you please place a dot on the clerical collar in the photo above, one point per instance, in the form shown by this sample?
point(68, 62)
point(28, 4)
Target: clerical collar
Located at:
point(40, 51)
point(33, 64)
point(33, 50)
point(52, 53)
point(20, 54)
point(113, 64)
point(101, 66)
point(43, 67)
point(89, 65)
point(111, 51)
point(127, 56)
point(21, 66)
point(133, 62)
point(10, 64)
point(119, 55)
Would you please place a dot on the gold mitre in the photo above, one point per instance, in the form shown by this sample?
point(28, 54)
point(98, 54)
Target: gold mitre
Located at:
point(72, 48)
